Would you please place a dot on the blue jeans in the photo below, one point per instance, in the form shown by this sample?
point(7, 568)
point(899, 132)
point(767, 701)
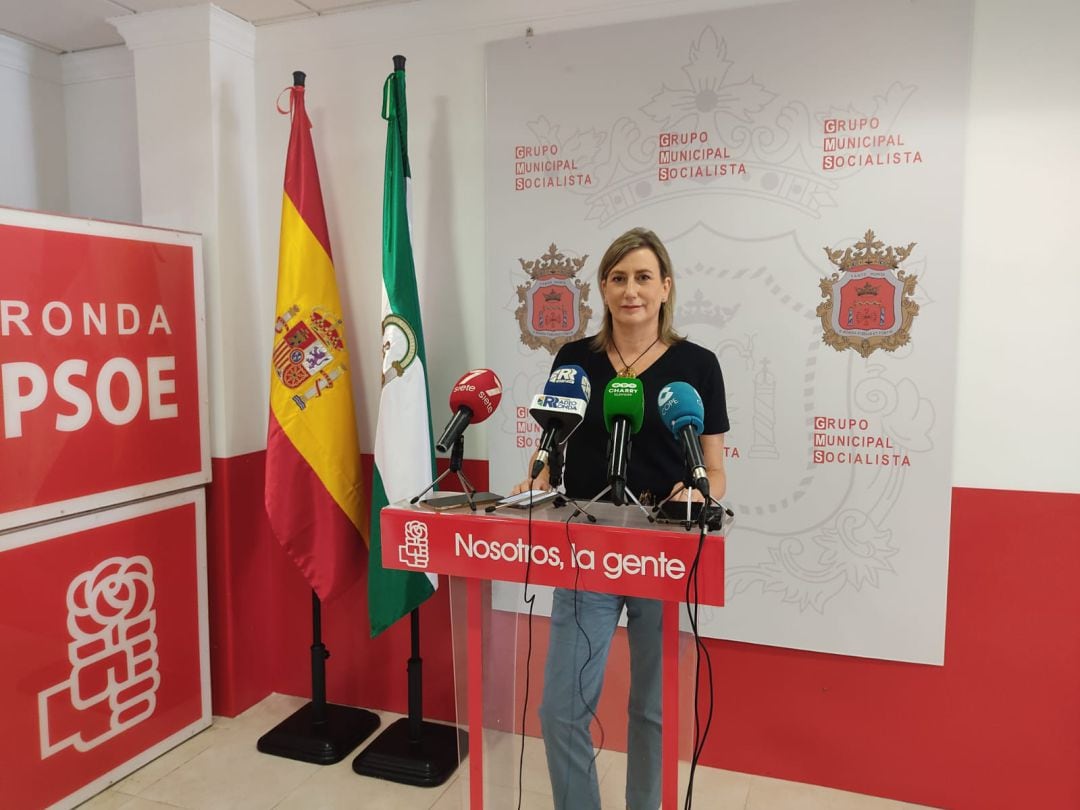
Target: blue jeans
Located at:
point(564, 718)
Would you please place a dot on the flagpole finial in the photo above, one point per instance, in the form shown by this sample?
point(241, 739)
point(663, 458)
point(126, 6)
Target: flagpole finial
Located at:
point(399, 62)
point(298, 77)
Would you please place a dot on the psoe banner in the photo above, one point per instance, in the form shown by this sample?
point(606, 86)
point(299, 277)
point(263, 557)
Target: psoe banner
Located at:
point(103, 395)
point(105, 644)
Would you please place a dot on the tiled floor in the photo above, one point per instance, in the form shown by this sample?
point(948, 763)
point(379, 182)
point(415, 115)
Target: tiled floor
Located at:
point(220, 769)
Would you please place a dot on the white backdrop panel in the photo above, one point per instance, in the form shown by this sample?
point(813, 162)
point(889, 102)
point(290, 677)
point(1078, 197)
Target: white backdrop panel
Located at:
point(717, 131)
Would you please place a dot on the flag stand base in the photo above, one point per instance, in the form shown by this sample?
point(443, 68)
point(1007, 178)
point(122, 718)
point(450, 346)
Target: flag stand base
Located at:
point(299, 737)
point(427, 761)
point(319, 732)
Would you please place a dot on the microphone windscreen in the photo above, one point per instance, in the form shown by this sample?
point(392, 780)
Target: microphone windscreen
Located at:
point(680, 405)
point(624, 396)
point(479, 390)
point(569, 381)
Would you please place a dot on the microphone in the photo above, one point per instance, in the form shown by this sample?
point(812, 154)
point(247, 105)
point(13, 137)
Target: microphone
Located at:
point(624, 411)
point(473, 399)
point(559, 410)
point(684, 414)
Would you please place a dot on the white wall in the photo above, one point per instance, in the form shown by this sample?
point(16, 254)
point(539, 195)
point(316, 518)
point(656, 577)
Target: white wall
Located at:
point(194, 82)
point(33, 172)
point(1019, 377)
point(68, 141)
point(102, 138)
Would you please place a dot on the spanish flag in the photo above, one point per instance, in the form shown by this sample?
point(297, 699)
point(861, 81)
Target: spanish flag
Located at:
point(312, 454)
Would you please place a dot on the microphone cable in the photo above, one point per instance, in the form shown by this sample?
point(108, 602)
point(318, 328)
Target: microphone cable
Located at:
point(589, 656)
point(702, 652)
point(531, 602)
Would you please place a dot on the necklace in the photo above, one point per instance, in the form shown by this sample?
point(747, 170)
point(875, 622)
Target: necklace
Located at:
point(628, 368)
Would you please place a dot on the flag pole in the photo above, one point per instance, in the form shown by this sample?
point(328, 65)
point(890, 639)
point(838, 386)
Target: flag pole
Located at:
point(413, 751)
point(318, 732)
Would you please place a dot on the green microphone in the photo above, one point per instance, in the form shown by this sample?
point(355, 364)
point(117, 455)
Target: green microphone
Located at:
point(624, 411)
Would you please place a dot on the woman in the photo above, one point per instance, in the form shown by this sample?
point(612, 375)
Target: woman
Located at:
point(636, 339)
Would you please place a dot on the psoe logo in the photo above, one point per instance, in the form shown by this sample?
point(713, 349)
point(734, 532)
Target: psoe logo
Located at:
point(414, 551)
point(113, 681)
point(869, 304)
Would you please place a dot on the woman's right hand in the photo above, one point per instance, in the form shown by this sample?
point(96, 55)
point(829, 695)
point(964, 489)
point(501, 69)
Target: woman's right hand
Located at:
point(540, 482)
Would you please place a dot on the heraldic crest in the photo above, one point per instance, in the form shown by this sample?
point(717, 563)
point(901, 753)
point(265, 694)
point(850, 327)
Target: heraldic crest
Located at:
point(868, 304)
point(308, 353)
point(552, 307)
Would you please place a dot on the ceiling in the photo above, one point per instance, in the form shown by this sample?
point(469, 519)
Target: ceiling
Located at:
point(63, 26)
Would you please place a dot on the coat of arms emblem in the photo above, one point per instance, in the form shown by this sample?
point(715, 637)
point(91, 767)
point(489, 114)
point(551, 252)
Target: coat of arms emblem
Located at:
point(552, 307)
point(308, 353)
point(868, 304)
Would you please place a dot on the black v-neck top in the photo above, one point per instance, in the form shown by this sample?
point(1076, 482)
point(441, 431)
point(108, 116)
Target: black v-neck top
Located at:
point(656, 458)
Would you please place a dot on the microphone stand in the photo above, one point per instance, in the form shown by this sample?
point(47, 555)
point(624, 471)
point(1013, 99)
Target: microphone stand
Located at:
point(626, 494)
point(457, 453)
point(621, 428)
point(555, 467)
point(555, 473)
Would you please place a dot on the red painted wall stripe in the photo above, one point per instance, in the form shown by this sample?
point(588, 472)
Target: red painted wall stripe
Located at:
point(997, 727)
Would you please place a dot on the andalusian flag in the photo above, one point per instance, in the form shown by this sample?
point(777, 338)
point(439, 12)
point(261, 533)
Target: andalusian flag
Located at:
point(404, 463)
point(312, 454)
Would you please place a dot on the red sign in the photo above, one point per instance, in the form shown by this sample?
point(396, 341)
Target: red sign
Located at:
point(101, 365)
point(105, 646)
point(621, 553)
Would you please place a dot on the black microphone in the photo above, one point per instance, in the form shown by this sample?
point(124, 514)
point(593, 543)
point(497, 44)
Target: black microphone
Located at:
point(624, 411)
point(559, 410)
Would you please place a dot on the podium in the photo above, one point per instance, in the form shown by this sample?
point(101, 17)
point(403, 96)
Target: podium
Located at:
point(622, 553)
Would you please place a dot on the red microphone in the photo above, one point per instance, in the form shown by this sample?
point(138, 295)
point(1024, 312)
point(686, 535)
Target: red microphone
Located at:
point(473, 399)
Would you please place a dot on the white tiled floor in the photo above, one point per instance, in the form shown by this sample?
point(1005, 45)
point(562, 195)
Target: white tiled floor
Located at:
point(220, 769)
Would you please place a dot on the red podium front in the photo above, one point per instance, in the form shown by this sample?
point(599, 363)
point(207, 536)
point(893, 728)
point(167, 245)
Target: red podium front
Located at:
point(622, 553)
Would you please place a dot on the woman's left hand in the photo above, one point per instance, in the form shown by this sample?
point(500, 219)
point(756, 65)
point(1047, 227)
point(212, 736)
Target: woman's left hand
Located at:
point(683, 493)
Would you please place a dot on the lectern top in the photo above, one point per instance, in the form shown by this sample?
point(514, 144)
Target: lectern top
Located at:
point(621, 553)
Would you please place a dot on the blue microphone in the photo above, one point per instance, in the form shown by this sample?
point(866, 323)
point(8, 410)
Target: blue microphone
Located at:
point(682, 411)
point(559, 410)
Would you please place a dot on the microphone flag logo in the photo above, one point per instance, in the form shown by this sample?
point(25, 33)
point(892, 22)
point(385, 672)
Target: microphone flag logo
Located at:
point(869, 304)
point(552, 308)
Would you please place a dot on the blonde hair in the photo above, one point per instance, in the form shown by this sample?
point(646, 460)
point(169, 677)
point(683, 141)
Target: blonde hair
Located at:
point(634, 239)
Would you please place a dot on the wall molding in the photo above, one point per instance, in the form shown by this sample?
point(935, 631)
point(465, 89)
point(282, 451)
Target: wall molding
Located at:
point(184, 26)
point(100, 64)
point(22, 57)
